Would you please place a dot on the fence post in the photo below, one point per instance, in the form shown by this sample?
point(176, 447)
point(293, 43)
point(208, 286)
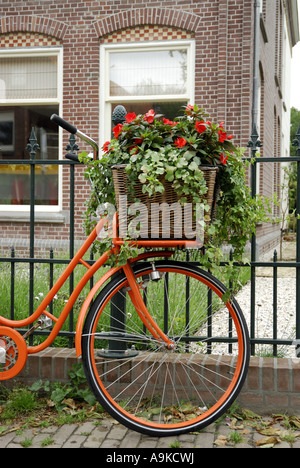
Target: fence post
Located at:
point(71, 148)
point(296, 143)
point(32, 148)
point(253, 144)
point(275, 275)
point(117, 349)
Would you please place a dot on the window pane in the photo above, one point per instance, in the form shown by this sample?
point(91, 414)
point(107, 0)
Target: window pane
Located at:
point(15, 127)
point(146, 73)
point(28, 77)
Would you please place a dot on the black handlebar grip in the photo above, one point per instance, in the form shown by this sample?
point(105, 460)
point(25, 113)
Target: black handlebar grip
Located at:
point(62, 123)
point(72, 157)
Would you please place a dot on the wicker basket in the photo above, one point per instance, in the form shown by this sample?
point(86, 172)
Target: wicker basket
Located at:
point(153, 222)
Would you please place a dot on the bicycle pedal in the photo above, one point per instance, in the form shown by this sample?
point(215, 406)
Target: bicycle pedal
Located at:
point(45, 322)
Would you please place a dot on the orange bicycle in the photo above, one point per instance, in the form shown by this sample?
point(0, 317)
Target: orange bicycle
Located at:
point(152, 334)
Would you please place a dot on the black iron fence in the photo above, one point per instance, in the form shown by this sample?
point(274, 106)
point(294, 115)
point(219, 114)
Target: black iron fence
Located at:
point(32, 261)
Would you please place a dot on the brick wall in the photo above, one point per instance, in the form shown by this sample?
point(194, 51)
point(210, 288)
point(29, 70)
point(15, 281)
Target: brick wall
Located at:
point(223, 33)
point(272, 384)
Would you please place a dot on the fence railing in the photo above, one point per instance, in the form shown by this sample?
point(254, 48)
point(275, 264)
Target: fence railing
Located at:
point(32, 261)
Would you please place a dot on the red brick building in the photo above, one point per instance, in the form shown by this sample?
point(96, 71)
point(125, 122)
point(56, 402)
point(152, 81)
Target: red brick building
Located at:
point(81, 58)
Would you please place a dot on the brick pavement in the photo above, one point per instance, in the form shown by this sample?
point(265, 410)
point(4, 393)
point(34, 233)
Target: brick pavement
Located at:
point(108, 434)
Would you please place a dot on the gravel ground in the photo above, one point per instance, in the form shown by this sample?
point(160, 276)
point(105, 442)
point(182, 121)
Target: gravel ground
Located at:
point(286, 303)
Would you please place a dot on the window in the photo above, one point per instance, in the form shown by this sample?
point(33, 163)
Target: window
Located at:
point(30, 92)
point(159, 75)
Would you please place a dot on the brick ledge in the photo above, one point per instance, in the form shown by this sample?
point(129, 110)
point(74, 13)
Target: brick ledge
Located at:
point(272, 384)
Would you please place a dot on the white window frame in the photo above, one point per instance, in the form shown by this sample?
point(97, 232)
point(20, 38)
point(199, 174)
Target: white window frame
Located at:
point(36, 52)
point(106, 101)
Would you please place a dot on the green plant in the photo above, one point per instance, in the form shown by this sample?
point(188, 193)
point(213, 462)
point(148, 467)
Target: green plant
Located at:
point(175, 444)
point(235, 437)
point(47, 441)
point(26, 443)
point(20, 401)
point(77, 389)
point(153, 147)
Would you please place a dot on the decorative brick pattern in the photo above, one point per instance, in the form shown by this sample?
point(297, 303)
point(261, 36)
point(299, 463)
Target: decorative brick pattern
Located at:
point(28, 40)
point(146, 33)
point(141, 16)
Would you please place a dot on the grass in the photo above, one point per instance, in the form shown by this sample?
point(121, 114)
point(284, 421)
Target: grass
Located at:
point(47, 441)
point(235, 437)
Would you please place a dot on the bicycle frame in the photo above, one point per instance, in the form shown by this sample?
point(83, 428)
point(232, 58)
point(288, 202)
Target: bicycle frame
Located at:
point(91, 270)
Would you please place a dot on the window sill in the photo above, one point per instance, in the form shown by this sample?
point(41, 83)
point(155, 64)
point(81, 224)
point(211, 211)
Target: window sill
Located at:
point(58, 217)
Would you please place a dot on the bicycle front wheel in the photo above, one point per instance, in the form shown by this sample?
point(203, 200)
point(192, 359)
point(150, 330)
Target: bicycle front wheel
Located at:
point(144, 385)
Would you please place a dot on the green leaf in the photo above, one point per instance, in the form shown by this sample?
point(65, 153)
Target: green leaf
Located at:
point(193, 166)
point(36, 386)
point(58, 395)
point(142, 178)
point(159, 189)
point(133, 158)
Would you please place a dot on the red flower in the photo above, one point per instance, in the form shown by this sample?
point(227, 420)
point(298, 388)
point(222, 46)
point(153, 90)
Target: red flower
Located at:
point(149, 117)
point(222, 135)
point(138, 141)
point(180, 142)
point(189, 108)
point(130, 117)
point(169, 122)
point(105, 147)
point(200, 126)
point(117, 129)
point(223, 158)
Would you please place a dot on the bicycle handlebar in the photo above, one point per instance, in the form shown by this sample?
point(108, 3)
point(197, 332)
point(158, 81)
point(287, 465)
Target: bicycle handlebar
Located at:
point(74, 131)
point(72, 157)
point(64, 124)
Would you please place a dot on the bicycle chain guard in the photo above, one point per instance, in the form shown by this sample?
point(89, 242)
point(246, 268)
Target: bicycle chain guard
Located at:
point(13, 353)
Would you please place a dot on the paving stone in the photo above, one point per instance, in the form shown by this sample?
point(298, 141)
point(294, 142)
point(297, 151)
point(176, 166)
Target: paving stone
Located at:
point(131, 440)
point(96, 437)
point(6, 439)
point(205, 440)
point(113, 436)
point(75, 441)
point(64, 432)
point(110, 443)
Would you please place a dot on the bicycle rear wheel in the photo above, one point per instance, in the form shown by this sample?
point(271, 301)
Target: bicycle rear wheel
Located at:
point(144, 385)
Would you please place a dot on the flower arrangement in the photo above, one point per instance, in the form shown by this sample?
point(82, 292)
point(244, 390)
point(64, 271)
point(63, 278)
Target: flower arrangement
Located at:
point(153, 147)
